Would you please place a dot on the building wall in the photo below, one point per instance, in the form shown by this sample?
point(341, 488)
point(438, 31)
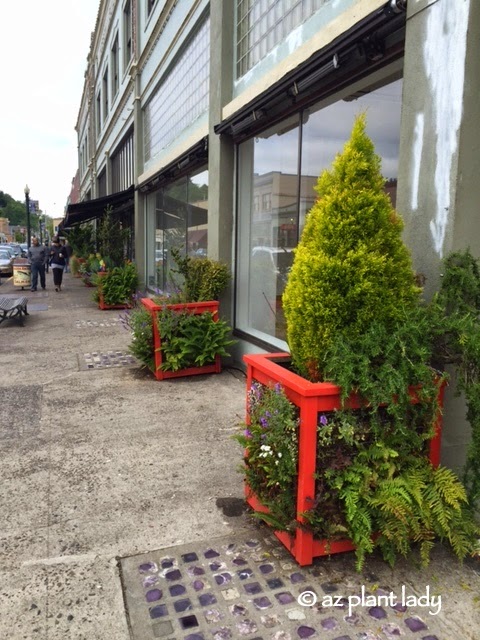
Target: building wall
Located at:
point(436, 189)
point(440, 141)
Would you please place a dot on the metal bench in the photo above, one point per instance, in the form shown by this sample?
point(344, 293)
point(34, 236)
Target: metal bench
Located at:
point(13, 308)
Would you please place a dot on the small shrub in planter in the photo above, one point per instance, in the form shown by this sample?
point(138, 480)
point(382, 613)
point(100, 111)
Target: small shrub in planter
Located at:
point(116, 287)
point(361, 383)
point(184, 334)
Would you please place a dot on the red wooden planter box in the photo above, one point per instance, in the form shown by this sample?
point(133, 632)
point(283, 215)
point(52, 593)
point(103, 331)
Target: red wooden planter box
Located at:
point(190, 307)
point(310, 398)
point(103, 306)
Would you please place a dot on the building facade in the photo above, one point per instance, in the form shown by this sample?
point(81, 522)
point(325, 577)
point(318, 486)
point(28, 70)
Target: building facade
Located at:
point(207, 124)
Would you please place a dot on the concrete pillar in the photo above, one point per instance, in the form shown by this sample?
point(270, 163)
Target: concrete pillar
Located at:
point(221, 148)
point(439, 185)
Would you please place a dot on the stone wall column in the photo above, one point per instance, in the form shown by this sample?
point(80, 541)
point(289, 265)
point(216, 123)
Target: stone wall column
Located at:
point(439, 178)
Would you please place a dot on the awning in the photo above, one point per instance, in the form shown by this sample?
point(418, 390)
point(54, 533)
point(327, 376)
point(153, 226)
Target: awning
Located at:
point(88, 210)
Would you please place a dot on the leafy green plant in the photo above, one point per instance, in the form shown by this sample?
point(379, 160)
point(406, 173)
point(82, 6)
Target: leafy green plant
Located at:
point(140, 324)
point(82, 240)
point(201, 279)
point(112, 239)
point(191, 340)
point(270, 437)
point(117, 285)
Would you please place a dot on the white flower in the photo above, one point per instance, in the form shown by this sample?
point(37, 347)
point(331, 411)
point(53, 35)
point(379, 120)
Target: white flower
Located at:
point(279, 454)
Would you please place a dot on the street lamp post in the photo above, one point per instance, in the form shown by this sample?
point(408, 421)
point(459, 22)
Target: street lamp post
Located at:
point(27, 203)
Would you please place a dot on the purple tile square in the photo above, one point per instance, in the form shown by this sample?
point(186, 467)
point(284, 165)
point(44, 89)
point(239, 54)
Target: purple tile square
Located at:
point(342, 638)
point(215, 566)
point(245, 573)
point(297, 577)
point(182, 605)
point(239, 561)
point(305, 632)
point(177, 590)
point(275, 583)
point(188, 622)
point(266, 568)
point(429, 638)
point(195, 636)
point(198, 585)
point(207, 599)
point(167, 563)
point(223, 578)
point(153, 595)
point(262, 602)
point(148, 567)
point(329, 587)
point(252, 588)
point(377, 612)
point(159, 611)
point(285, 597)
point(415, 624)
point(189, 557)
point(211, 553)
point(175, 574)
point(329, 624)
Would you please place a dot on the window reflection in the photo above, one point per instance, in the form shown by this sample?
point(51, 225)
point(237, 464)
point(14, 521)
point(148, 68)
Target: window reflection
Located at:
point(276, 189)
point(181, 217)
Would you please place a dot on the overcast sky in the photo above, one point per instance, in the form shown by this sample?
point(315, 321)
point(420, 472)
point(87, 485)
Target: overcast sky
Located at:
point(43, 52)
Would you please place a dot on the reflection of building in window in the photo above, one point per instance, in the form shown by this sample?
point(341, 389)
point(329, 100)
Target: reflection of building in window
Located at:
point(276, 223)
point(391, 189)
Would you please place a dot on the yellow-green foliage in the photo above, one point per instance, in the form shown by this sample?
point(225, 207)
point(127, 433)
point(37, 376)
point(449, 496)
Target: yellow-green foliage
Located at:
point(351, 265)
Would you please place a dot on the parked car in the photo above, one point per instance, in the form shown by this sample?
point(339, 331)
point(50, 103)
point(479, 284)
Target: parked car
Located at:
point(8, 249)
point(276, 261)
point(16, 248)
point(6, 263)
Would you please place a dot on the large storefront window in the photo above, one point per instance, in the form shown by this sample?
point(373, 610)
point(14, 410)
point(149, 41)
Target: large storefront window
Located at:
point(180, 221)
point(278, 171)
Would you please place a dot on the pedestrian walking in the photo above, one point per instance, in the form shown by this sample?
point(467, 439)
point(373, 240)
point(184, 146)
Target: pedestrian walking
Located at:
point(68, 254)
point(47, 256)
point(36, 256)
point(57, 262)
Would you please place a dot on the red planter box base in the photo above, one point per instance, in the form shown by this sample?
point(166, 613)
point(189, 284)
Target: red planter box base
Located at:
point(190, 307)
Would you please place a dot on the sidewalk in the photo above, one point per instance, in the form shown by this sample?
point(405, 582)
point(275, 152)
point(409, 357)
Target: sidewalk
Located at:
point(110, 482)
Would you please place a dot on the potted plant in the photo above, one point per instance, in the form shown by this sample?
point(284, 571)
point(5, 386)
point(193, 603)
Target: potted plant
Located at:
point(181, 333)
point(342, 438)
point(116, 287)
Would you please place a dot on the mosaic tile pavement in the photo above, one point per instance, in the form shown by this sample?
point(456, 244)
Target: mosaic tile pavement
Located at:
point(245, 588)
point(108, 360)
point(86, 324)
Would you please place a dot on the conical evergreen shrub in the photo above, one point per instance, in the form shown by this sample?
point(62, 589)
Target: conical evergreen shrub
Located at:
point(351, 266)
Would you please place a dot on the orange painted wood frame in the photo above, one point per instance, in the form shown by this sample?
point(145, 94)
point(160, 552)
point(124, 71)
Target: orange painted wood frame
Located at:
point(311, 398)
point(195, 308)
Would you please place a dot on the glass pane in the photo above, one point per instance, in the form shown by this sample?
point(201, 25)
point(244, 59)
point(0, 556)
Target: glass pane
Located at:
point(325, 132)
point(268, 222)
point(197, 232)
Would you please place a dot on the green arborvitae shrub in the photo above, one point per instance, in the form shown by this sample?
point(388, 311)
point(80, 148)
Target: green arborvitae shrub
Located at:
point(351, 266)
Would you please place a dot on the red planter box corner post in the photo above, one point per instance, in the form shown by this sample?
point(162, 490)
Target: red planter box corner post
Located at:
point(190, 307)
point(311, 398)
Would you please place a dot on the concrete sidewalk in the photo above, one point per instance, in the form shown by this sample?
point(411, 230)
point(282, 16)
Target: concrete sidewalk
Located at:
point(106, 472)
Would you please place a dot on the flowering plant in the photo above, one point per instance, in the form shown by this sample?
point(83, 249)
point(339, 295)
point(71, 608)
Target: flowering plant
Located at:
point(270, 442)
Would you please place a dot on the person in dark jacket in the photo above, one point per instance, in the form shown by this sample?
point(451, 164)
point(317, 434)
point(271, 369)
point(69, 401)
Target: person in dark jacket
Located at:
point(36, 255)
point(57, 262)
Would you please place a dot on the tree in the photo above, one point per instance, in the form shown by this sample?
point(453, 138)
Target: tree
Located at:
point(351, 266)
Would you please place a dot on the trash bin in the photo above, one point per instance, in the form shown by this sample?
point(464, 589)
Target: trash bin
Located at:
point(21, 273)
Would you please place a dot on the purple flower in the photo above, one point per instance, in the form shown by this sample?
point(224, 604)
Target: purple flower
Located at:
point(264, 422)
point(247, 433)
point(278, 388)
point(323, 420)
